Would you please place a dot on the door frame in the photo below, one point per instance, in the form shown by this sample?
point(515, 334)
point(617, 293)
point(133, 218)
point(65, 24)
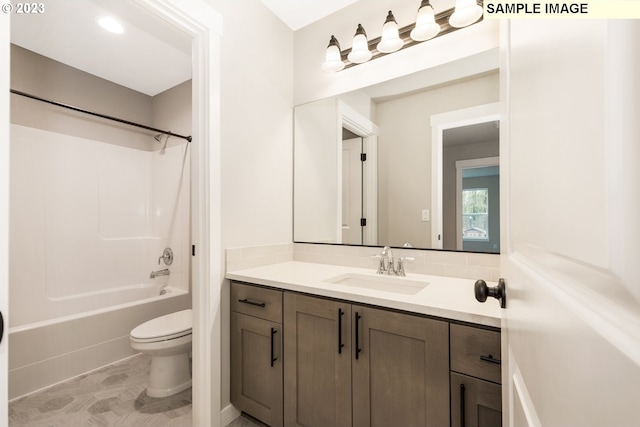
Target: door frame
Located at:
point(439, 123)
point(5, 39)
point(204, 26)
point(355, 122)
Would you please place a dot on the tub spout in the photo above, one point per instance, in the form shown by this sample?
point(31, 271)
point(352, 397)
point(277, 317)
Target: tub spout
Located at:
point(164, 272)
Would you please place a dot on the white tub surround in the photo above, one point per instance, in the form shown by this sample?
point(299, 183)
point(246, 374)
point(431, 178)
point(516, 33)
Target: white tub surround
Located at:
point(446, 297)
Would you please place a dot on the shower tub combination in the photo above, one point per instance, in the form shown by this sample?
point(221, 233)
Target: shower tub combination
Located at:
point(48, 352)
point(89, 223)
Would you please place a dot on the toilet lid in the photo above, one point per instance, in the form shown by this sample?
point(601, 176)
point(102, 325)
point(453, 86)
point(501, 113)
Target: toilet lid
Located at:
point(169, 325)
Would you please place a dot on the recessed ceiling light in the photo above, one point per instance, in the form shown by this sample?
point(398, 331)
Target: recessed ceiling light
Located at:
point(110, 24)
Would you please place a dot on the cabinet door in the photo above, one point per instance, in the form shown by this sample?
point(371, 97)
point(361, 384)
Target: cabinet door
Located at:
point(475, 402)
point(401, 373)
point(317, 352)
point(256, 367)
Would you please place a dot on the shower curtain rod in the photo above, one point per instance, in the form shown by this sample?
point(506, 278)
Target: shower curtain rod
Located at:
point(103, 116)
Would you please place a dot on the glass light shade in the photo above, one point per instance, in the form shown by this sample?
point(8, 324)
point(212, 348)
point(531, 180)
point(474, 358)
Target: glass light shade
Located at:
point(466, 13)
point(360, 50)
point(390, 41)
point(333, 57)
point(426, 27)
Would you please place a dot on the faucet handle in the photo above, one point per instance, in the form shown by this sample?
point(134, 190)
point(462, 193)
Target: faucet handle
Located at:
point(381, 267)
point(167, 256)
point(401, 271)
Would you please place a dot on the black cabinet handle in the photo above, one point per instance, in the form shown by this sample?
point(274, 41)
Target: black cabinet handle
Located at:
point(499, 292)
point(462, 404)
point(258, 304)
point(1, 327)
point(358, 349)
point(273, 359)
point(491, 359)
point(340, 345)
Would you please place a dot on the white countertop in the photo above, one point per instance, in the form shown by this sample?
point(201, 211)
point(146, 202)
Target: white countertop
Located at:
point(446, 297)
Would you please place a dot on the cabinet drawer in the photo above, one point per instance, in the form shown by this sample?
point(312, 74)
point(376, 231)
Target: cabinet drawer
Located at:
point(255, 301)
point(475, 352)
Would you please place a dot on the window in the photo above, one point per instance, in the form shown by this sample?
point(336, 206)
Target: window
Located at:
point(475, 214)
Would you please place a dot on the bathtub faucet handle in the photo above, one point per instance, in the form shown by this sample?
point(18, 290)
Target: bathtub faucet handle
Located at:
point(167, 256)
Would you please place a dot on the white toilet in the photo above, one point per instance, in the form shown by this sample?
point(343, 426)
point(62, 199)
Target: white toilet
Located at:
point(167, 339)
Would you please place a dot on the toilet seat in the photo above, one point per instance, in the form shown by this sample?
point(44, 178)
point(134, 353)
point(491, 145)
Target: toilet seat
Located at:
point(167, 327)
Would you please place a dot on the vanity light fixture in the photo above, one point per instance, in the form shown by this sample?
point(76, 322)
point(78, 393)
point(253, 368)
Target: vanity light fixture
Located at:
point(466, 13)
point(333, 59)
point(360, 51)
point(427, 26)
point(390, 41)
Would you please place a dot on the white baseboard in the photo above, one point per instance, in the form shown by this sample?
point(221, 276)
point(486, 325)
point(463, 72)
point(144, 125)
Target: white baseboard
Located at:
point(228, 414)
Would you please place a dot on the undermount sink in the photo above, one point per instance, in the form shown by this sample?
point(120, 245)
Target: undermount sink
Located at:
point(385, 283)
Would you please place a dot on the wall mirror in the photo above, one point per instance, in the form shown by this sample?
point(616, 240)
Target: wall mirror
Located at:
point(409, 162)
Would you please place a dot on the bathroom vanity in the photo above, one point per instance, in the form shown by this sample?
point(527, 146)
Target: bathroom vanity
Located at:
point(325, 345)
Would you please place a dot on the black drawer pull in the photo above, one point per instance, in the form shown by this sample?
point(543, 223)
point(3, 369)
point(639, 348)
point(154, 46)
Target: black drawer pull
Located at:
point(462, 405)
point(340, 344)
point(490, 359)
point(273, 359)
point(358, 349)
point(258, 304)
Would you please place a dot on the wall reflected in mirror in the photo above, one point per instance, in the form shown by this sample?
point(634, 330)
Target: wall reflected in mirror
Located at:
point(363, 164)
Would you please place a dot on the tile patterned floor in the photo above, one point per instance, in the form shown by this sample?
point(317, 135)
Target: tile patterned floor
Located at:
point(245, 421)
point(111, 396)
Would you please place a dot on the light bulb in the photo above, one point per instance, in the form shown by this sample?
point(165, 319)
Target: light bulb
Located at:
point(333, 58)
point(390, 41)
point(426, 27)
point(110, 24)
point(466, 13)
point(360, 50)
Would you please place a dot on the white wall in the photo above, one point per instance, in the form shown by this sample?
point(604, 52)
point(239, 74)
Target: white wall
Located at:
point(256, 136)
point(316, 186)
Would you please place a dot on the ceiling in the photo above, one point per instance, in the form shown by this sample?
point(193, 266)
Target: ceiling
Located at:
point(300, 13)
point(472, 134)
point(149, 57)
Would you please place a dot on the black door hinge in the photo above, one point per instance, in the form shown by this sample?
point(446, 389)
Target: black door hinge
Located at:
point(193, 250)
point(363, 222)
point(363, 157)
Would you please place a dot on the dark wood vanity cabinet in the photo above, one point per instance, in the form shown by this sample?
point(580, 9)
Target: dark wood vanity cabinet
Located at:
point(350, 365)
point(341, 364)
point(256, 352)
point(476, 393)
point(317, 369)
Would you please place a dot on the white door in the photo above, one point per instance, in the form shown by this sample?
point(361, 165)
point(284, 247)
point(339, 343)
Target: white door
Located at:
point(351, 191)
point(571, 200)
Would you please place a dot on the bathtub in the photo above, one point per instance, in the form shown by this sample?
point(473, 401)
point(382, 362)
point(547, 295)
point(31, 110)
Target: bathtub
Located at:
point(47, 352)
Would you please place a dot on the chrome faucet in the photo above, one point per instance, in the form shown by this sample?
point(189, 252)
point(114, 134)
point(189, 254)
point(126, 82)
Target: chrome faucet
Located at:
point(390, 266)
point(402, 265)
point(163, 272)
point(387, 264)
